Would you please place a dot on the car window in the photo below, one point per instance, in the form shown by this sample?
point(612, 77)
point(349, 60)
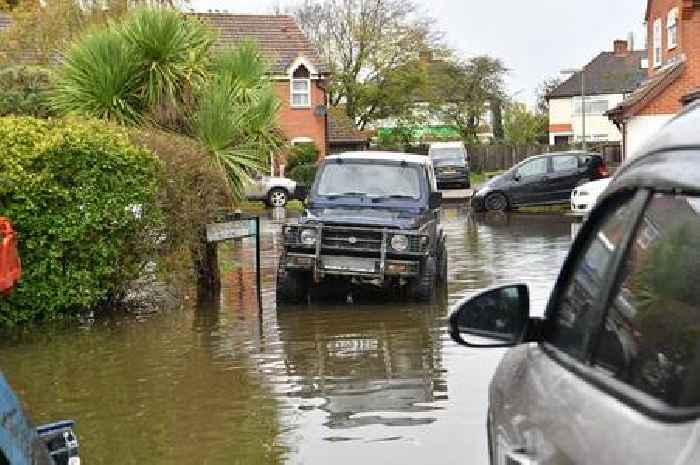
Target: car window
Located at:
point(577, 317)
point(537, 167)
point(565, 163)
point(584, 160)
point(651, 337)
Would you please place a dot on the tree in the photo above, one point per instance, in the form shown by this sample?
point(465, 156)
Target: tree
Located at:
point(467, 86)
point(546, 87)
point(522, 126)
point(371, 48)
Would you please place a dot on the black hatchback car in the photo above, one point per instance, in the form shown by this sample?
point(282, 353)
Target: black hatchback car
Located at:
point(540, 180)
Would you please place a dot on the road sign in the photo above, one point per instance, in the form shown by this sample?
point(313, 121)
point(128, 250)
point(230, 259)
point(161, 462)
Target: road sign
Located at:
point(236, 229)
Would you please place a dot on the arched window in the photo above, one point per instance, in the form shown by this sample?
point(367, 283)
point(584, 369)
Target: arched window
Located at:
point(301, 87)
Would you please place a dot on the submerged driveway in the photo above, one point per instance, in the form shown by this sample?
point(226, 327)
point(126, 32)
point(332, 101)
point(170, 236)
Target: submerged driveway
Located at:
point(343, 384)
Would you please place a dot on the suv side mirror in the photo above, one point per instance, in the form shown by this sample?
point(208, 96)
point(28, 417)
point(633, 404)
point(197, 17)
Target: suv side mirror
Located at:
point(497, 317)
point(516, 177)
point(435, 200)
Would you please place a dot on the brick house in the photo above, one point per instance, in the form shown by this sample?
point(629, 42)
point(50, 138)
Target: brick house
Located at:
point(608, 79)
point(296, 69)
point(673, 77)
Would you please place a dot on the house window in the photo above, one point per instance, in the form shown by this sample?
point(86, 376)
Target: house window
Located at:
point(657, 43)
point(594, 106)
point(672, 27)
point(301, 87)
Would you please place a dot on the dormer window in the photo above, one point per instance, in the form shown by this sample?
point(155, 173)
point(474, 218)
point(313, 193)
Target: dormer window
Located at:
point(672, 28)
point(301, 87)
point(657, 42)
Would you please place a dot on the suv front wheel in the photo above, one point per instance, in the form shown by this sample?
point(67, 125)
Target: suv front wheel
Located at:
point(422, 288)
point(292, 286)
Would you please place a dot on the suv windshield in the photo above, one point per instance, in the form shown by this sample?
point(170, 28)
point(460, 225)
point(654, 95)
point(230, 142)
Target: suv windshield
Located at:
point(452, 156)
point(372, 180)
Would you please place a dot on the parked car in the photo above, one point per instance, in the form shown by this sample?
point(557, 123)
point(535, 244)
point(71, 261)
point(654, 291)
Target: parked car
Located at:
point(273, 190)
point(585, 196)
point(450, 164)
point(372, 218)
point(611, 374)
point(540, 180)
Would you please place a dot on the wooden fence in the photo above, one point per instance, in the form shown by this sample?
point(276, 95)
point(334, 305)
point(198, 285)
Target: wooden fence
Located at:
point(497, 157)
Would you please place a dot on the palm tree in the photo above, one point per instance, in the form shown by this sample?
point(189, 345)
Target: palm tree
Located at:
point(236, 114)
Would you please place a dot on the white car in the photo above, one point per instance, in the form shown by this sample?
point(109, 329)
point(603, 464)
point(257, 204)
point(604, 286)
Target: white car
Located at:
point(274, 191)
point(585, 196)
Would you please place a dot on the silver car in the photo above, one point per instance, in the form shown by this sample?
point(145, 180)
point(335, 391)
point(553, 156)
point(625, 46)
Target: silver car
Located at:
point(611, 374)
point(274, 191)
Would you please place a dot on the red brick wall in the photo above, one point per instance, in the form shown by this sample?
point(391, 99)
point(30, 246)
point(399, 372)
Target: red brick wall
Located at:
point(301, 122)
point(668, 102)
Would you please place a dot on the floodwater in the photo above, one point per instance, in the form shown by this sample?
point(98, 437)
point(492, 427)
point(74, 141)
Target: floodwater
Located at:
point(342, 384)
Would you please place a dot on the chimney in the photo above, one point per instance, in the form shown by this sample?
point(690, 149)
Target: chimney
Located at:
point(620, 47)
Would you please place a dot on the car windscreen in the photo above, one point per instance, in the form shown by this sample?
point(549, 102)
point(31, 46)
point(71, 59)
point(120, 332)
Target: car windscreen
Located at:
point(446, 156)
point(370, 179)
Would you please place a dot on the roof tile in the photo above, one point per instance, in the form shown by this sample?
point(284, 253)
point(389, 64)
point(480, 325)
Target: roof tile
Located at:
point(279, 37)
point(341, 127)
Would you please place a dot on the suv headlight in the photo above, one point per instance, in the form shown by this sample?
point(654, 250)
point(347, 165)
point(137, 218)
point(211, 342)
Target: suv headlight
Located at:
point(399, 242)
point(308, 236)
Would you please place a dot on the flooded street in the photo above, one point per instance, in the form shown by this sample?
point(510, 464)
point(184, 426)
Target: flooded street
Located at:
point(341, 384)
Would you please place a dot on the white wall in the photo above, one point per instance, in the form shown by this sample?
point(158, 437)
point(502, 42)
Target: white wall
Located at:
point(640, 129)
point(598, 126)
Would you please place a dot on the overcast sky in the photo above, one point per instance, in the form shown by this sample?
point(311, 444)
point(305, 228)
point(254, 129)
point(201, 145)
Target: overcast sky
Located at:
point(535, 39)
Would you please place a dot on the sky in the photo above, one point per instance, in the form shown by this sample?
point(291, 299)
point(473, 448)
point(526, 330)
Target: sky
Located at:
point(535, 39)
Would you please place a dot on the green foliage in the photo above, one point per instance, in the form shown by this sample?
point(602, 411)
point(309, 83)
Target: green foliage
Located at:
point(303, 174)
point(302, 154)
point(99, 78)
point(24, 91)
point(236, 115)
point(524, 127)
point(145, 65)
point(71, 191)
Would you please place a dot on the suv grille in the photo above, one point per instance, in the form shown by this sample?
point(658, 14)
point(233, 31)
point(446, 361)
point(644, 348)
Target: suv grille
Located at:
point(349, 239)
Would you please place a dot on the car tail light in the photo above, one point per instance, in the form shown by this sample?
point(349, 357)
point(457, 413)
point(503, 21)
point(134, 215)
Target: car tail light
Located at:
point(602, 170)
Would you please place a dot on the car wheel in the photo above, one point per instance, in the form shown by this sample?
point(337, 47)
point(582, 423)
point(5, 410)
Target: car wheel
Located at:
point(423, 286)
point(277, 197)
point(496, 201)
point(442, 264)
point(292, 286)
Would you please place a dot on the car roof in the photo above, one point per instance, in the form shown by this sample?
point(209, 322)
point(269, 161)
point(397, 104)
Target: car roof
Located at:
point(670, 160)
point(370, 155)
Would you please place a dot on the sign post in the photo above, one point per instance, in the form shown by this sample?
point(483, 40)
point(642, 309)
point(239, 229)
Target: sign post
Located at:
point(239, 226)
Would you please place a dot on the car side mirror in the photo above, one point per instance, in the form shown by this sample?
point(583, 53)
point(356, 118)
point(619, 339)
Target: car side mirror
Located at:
point(435, 200)
point(516, 177)
point(497, 317)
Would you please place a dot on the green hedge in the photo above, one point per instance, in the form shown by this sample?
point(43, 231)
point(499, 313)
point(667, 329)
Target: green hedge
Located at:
point(70, 188)
point(24, 91)
point(303, 174)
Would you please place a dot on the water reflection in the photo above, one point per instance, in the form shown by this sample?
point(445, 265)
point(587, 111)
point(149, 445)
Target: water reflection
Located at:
point(221, 383)
point(365, 360)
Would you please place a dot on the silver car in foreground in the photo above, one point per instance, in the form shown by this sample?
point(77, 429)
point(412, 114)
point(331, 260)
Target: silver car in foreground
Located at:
point(611, 374)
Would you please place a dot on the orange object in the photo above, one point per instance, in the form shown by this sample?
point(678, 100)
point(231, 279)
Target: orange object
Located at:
point(10, 263)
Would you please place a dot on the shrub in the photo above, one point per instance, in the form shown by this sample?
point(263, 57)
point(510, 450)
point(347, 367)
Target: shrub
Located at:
point(82, 199)
point(303, 174)
point(301, 154)
point(23, 91)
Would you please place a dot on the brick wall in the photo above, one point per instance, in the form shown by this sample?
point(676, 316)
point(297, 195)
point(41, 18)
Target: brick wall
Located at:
point(302, 122)
point(668, 102)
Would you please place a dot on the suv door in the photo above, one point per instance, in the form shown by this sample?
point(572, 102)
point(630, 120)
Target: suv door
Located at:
point(530, 181)
point(566, 174)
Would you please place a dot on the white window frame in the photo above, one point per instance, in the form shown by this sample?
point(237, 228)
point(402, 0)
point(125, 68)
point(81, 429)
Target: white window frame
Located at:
point(672, 29)
point(657, 42)
point(292, 93)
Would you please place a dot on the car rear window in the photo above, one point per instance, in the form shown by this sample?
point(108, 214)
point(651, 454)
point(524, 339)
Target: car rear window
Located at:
point(651, 336)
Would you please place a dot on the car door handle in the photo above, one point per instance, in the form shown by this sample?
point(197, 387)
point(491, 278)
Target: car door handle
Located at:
point(519, 457)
